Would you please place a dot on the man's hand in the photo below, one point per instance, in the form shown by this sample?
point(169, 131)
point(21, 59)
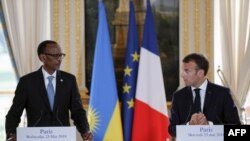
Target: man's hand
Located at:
point(198, 119)
point(88, 136)
point(12, 137)
point(202, 120)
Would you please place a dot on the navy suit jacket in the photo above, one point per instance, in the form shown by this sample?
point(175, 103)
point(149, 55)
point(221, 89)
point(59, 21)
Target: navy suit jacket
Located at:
point(219, 107)
point(31, 95)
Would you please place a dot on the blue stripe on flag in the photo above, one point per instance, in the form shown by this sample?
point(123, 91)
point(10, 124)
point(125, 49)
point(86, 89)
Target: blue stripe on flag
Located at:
point(150, 42)
point(130, 74)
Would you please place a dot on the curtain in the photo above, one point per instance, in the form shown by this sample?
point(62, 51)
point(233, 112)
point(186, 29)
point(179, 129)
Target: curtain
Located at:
point(236, 47)
point(196, 32)
point(27, 25)
point(68, 29)
point(5, 39)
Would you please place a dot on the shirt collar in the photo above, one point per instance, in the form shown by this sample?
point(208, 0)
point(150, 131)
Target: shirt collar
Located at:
point(203, 86)
point(46, 74)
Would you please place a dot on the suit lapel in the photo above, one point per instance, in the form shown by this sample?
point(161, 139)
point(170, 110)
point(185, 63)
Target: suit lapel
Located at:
point(188, 106)
point(43, 91)
point(208, 97)
point(190, 102)
point(190, 96)
point(59, 87)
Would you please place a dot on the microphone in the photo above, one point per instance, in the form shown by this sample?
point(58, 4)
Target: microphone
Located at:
point(218, 119)
point(216, 115)
point(189, 113)
point(39, 119)
point(58, 118)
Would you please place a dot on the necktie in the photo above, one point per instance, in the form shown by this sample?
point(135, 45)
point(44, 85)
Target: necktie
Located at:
point(197, 101)
point(50, 92)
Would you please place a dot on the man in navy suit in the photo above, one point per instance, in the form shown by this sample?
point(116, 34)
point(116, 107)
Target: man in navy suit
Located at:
point(215, 103)
point(31, 94)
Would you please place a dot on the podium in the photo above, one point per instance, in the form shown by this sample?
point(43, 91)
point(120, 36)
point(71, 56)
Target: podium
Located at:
point(199, 133)
point(46, 133)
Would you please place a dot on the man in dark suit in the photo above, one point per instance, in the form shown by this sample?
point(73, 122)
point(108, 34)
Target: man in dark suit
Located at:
point(201, 102)
point(46, 107)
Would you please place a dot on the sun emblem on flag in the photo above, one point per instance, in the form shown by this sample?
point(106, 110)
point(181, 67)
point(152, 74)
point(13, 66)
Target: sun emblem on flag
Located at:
point(94, 119)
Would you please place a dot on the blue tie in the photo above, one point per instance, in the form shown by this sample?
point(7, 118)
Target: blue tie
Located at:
point(50, 92)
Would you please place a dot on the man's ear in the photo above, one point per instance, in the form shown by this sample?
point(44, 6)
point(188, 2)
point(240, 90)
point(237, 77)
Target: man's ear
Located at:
point(201, 72)
point(41, 57)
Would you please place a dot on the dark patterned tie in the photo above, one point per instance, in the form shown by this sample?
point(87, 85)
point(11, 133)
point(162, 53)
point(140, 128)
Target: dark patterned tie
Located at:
point(50, 92)
point(197, 101)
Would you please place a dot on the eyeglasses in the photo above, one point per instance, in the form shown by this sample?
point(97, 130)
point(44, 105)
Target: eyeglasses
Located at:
point(56, 56)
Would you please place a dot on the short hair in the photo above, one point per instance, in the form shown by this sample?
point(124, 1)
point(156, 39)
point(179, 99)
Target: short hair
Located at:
point(199, 59)
point(42, 46)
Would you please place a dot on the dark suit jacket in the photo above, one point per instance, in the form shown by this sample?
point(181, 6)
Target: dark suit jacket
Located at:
point(218, 107)
point(31, 95)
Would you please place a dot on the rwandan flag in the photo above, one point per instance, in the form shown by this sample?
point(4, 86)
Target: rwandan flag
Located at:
point(150, 121)
point(104, 111)
point(130, 75)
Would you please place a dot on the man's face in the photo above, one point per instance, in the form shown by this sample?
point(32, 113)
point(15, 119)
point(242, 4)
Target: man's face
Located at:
point(191, 74)
point(51, 57)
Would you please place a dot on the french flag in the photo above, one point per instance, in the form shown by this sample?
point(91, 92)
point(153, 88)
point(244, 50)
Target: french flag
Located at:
point(150, 122)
